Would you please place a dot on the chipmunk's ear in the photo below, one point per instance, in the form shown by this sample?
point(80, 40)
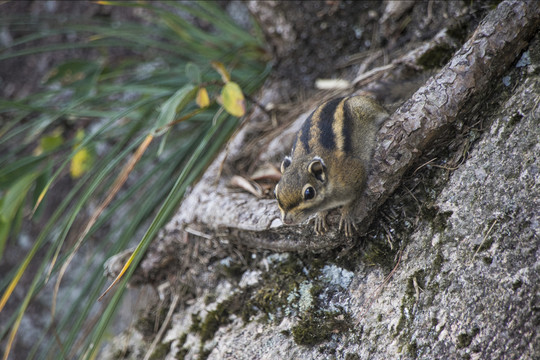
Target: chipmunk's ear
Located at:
point(285, 164)
point(318, 168)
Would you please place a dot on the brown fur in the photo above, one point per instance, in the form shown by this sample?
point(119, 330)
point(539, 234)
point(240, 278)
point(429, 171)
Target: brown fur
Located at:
point(344, 172)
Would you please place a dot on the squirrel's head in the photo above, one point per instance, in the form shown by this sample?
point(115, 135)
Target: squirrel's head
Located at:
point(302, 190)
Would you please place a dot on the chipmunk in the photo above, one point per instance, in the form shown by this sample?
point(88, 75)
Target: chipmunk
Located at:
point(329, 162)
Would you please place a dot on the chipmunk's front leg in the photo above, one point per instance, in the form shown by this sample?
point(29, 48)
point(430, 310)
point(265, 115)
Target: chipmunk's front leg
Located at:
point(321, 226)
point(346, 223)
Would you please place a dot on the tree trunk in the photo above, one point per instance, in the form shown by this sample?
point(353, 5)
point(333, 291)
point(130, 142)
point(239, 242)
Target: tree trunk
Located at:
point(446, 263)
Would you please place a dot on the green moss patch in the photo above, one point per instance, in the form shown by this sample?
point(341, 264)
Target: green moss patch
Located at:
point(465, 339)
point(313, 329)
point(272, 296)
point(161, 351)
point(151, 320)
point(218, 317)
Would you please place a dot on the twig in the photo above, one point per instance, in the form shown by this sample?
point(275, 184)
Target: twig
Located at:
point(164, 326)
point(198, 233)
point(372, 73)
point(424, 164)
point(484, 239)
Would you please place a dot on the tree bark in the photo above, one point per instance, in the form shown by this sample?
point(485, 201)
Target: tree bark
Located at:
point(215, 209)
point(459, 275)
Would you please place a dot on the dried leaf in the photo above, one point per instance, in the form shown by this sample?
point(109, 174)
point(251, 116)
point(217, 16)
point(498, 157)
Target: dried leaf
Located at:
point(220, 68)
point(332, 84)
point(267, 172)
point(245, 184)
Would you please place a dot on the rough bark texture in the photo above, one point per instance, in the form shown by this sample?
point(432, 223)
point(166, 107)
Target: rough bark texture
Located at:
point(450, 265)
point(465, 80)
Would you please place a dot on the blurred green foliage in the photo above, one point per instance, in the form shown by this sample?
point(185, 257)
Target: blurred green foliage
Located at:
point(154, 115)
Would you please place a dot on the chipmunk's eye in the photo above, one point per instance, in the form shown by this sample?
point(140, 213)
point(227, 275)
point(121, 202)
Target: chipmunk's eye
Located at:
point(309, 193)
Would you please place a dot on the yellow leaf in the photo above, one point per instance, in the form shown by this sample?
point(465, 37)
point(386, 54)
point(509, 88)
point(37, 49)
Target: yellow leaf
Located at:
point(220, 68)
point(233, 99)
point(49, 142)
point(79, 136)
point(202, 98)
point(80, 163)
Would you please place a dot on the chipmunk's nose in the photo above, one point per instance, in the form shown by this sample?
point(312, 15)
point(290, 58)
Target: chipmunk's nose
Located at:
point(287, 219)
